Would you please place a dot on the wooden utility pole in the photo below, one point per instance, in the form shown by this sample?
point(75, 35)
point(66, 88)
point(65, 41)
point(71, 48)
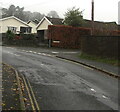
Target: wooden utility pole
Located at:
point(92, 17)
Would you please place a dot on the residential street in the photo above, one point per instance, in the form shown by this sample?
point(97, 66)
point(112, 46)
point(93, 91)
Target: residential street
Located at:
point(63, 85)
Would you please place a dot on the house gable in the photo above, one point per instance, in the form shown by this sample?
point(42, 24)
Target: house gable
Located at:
point(43, 24)
point(33, 25)
point(12, 22)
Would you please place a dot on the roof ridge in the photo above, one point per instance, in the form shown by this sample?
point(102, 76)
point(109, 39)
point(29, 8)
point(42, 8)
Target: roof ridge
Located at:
point(14, 18)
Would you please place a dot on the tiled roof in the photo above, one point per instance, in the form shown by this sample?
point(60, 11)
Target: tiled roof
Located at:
point(55, 21)
point(36, 21)
point(101, 25)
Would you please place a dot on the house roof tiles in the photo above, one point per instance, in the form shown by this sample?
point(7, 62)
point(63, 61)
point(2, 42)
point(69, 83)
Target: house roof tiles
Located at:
point(55, 21)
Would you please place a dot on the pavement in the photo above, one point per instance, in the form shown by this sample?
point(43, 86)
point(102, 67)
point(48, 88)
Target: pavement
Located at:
point(107, 68)
point(9, 90)
point(14, 93)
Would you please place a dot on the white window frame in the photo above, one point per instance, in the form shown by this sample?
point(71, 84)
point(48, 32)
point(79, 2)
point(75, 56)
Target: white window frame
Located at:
point(12, 28)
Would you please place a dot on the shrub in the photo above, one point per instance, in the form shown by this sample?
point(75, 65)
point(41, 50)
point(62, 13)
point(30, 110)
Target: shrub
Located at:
point(28, 36)
point(10, 35)
point(18, 37)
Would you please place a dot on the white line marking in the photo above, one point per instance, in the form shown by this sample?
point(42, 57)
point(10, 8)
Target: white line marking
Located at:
point(92, 90)
point(16, 55)
point(104, 96)
point(55, 52)
point(30, 51)
point(35, 52)
point(70, 52)
point(39, 53)
point(49, 55)
point(43, 54)
point(8, 47)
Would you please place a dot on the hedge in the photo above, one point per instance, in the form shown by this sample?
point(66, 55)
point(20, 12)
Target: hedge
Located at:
point(22, 40)
point(98, 32)
point(68, 37)
point(101, 46)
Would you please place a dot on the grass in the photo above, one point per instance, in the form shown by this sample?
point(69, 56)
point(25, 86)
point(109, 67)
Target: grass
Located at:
point(114, 62)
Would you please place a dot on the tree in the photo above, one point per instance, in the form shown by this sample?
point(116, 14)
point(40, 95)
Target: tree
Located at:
point(73, 17)
point(11, 10)
point(37, 15)
point(53, 14)
point(4, 12)
point(19, 12)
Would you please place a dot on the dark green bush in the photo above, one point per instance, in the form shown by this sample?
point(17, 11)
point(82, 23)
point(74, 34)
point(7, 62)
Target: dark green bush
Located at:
point(101, 46)
point(10, 35)
point(28, 36)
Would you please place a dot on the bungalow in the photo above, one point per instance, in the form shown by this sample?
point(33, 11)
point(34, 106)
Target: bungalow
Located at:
point(42, 27)
point(33, 25)
point(14, 24)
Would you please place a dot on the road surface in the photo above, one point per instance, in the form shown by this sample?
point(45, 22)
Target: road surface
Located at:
point(63, 85)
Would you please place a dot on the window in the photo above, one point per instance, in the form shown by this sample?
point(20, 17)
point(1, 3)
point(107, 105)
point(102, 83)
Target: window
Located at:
point(25, 29)
point(13, 29)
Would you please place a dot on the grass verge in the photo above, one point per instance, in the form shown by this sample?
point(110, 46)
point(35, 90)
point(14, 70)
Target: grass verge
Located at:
point(100, 59)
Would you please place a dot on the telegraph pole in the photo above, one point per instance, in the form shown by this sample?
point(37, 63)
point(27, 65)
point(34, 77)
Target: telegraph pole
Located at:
point(92, 17)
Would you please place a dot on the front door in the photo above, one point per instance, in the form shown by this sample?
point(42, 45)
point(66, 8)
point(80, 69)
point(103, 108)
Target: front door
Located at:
point(40, 34)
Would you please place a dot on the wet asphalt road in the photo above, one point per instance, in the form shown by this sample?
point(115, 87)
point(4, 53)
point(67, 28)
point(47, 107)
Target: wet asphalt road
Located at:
point(63, 85)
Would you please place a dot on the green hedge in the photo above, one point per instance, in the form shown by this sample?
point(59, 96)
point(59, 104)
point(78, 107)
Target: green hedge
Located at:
point(102, 46)
point(24, 40)
point(28, 36)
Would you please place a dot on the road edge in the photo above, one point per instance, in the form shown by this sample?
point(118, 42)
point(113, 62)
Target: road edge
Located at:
point(91, 66)
point(21, 98)
point(31, 93)
point(20, 91)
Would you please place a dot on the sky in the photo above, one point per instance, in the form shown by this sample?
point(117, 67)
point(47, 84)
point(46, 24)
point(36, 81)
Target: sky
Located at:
point(105, 10)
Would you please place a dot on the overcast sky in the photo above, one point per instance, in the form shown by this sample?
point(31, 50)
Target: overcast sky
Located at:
point(105, 10)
